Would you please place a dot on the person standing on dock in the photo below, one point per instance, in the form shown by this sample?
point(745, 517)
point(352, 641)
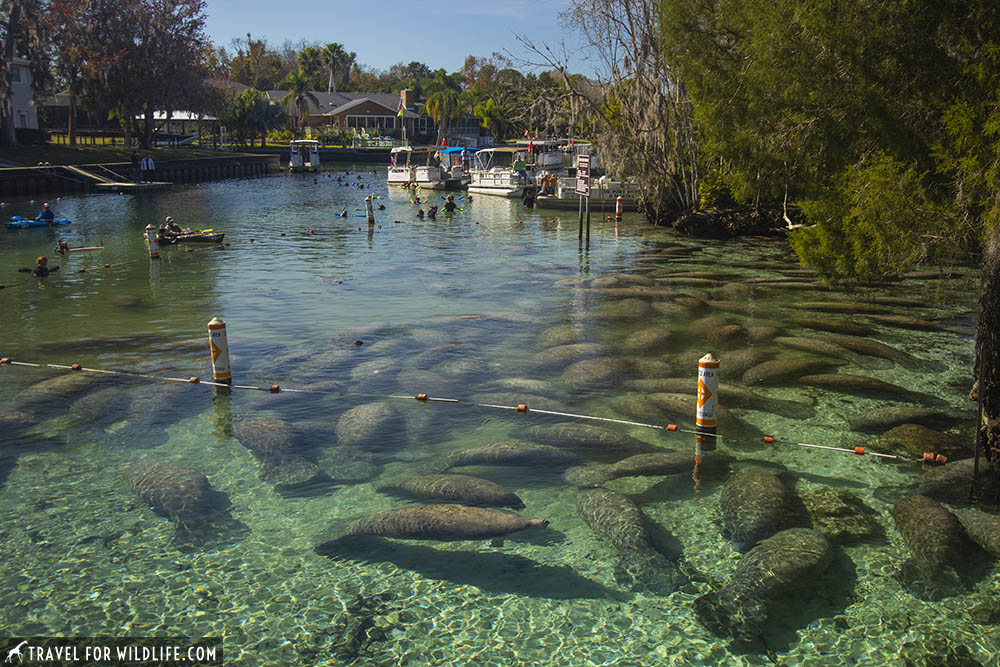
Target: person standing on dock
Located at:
point(147, 169)
point(136, 171)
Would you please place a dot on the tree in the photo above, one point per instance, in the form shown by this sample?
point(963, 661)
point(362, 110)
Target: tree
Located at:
point(252, 114)
point(311, 64)
point(444, 102)
point(256, 64)
point(495, 116)
point(298, 98)
point(338, 63)
point(24, 35)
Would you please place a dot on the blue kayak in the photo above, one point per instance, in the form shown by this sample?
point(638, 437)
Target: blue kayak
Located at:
point(17, 222)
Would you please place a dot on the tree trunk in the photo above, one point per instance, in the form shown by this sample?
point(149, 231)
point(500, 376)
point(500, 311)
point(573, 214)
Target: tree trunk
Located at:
point(7, 108)
point(987, 372)
point(71, 121)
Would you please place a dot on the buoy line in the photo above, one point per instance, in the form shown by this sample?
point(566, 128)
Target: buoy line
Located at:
point(275, 388)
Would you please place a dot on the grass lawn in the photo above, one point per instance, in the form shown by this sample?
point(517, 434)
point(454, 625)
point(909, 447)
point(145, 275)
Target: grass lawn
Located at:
point(61, 154)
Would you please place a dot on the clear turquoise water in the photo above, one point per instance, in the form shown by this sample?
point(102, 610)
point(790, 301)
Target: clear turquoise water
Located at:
point(84, 556)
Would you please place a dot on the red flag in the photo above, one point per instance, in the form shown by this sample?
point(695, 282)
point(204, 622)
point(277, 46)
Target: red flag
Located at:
point(525, 133)
point(531, 145)
point(444, 142)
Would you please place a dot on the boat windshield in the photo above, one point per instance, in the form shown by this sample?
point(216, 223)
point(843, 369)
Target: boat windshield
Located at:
point(490, 159)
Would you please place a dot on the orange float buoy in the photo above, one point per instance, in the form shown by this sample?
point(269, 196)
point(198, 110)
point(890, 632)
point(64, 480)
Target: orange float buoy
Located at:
point(671, 427)
point(421, 397)
point(859, 450)
point(522, 407)
point(5, 360)
point(75, 367)
point(107, 266)
point(274, 389)
point(194, 379)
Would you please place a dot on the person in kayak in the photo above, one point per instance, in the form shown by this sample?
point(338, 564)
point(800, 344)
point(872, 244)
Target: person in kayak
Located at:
point(46, 214)
point(41, 269)
point(170, 229)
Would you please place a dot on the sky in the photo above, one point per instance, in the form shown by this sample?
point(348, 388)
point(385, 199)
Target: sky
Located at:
point(439, 33)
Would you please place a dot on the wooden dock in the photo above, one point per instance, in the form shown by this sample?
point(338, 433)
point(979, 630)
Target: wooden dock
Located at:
point(127, 186)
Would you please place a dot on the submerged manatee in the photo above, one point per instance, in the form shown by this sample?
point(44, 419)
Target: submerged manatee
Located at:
point(55, 393)
point(462, 488)
point(777, 566)
point(874, 348)
point(778, 371)
point(442, 522)
point(642, 465)
point(846, 327)
point(593, 440)
point(756, 505)
point(860, 385)
point(364, 424)
point(266, 437)
point(730, 395)
point(936, 542)
point(510, 453)
point(174, 489)
point(884, 418)
point(597, 373)
point(620, 521)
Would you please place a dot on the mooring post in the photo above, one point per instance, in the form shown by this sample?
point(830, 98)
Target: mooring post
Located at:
point(708, 403)
point(154, 249)
point(369, 206)
point(218, 343)
point(580, 236)
point(588, 222)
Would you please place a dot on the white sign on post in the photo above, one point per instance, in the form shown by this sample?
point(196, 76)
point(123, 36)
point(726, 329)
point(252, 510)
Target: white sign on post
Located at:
point(583, 175)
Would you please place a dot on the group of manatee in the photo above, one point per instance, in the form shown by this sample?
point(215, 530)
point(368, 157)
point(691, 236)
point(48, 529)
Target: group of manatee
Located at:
point(787, 541)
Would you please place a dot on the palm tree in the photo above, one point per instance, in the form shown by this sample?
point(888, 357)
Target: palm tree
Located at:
point(299, 96)
point(444, 102)
point(337, 61)
point(494, 115)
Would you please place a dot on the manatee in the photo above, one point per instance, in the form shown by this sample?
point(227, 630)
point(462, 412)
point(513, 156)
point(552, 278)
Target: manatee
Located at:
point(748, 308)
point(847, 327)
point(620, 521)
point(460, 368)
point(791, 284)
point(884, 418)
point(688, 282)
point(636, 406)
point(323, 363)
point(593, 440)
point(756, 505)
point(955, 483)
point(100, 407)
point(510, 453)
point(787, 369)
point(566, 354)
point(55, 392)
point(673, 311)
point(726, 335)
point(436, 355)
point(462, 488)
point(730, 395)
point(700, 328)
point(651, 368)
point(174, 489)
point(737, 362)
point(621, 310)
point(291, 472)
point(906, 322)
point(645, 339)
point(559, 336)
point(762, 333)
point(852, 307)
point(936, 541)
point(16, 420)
point(913, 440)
point(898, 301)
point(414, 381)
point(824, 347)
point(374, 369)
point(597, 373)
point(842, 517)
point(789, 560)
point(634, 279)
point(266, 437)
point(604, 282)
point(641, 465)
point(983, 528)
point(875, 349)
point(529, 385)
point(364, 424)
point(859, 385)
point(443, 522)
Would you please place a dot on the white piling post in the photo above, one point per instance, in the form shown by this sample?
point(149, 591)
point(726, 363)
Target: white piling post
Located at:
point(219, 346)
point(708, 402)
point(154, 249)
point(370, 207)
point(618, 209)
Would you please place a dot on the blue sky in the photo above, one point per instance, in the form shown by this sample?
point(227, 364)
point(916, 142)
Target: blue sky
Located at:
point(440, 33)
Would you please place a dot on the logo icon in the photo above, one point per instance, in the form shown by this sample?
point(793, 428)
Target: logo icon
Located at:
point(16, 651)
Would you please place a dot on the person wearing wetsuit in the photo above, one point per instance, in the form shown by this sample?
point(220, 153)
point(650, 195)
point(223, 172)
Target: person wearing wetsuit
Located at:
point(450, 204)
point(41, 269)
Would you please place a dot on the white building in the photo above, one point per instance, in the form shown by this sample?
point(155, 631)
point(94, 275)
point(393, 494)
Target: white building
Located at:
point(22, 96)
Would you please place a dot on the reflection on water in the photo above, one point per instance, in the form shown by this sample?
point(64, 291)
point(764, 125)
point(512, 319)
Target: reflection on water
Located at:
point(139, 506)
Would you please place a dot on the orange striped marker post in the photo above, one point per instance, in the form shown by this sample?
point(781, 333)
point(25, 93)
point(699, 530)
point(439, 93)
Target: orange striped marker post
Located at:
point(708, 402)
point(154, 249)
point(370, 210)
point(219, 346)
